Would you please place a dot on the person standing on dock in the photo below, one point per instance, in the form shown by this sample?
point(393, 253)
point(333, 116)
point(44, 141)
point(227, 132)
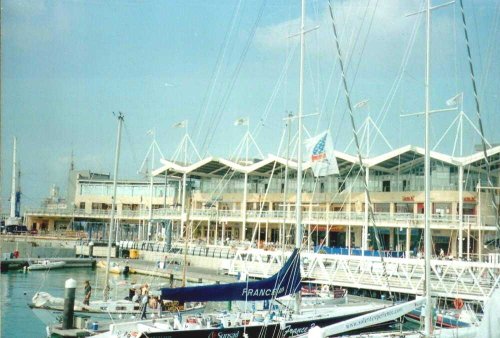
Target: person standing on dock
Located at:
point(88, 293)
point(144, 304)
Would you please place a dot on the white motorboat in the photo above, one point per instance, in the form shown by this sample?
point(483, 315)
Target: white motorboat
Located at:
point(46, 265)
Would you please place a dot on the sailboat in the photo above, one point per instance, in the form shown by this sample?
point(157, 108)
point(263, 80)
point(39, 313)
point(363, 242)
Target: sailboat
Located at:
point(49, 308)
point(275, 321)
point(489, 327)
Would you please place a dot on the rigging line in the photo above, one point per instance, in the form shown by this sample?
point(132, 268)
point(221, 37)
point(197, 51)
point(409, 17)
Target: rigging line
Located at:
point(357, 68)
point(276, 89)
point(401, 71)
point(360, 159)
point(455, 54)
point(352, 43)
point(364, 43)
point(130, 143)
point(478, 112)
point(480, 66)
point(360, 56)
point(337, 193)
point(318, 65)
point(337, 91)
point(332, 115)
point(203, 112)
point(261, 203)
point(219, 112)
point(491, 47)
point(228, 92)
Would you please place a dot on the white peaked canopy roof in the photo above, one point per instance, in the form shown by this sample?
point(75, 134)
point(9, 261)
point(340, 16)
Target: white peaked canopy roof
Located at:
point(390, 162)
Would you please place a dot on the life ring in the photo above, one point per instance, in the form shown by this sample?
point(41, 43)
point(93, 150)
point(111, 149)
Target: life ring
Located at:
point(458, 303)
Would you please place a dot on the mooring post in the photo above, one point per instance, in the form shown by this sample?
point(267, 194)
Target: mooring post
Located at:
point(69, 303)
point(91, 249)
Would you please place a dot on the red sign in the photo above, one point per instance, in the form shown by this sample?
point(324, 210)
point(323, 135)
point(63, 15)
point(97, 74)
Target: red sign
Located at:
point(469, 199)
point(408, 198)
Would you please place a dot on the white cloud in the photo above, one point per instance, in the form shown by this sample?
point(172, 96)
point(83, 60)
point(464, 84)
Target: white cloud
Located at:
point(390, 30)
point(28, 24)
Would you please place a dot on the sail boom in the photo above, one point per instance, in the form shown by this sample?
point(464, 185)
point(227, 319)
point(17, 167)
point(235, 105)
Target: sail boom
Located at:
point(285, 282)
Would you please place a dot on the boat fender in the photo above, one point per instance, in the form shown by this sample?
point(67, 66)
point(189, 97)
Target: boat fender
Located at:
point(315, 332)
point(458, 303)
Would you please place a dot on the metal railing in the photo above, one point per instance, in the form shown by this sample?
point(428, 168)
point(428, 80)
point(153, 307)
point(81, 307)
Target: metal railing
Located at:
point(449, 278)
point(192, 250)
point(324, 217)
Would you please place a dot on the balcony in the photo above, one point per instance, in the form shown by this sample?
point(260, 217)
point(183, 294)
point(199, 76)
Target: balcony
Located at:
point(382, 219)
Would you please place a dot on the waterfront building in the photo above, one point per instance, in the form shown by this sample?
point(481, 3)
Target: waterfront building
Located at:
point(217, 201)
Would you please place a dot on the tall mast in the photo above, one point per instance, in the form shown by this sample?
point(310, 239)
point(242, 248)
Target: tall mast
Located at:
point(14, 185)
point(113, 202)
point(298, 207)
point(298, 204)
point(150, 217)
point(427, 174)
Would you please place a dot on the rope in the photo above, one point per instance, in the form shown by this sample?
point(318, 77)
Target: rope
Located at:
point(360, 159)
point(478, 112)
point(215, 73)
point(225, 98)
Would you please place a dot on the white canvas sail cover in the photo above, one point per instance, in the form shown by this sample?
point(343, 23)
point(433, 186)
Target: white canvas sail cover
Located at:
point(320, 153)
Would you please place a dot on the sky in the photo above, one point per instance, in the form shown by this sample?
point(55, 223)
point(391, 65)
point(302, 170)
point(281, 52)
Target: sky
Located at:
point(67, 66)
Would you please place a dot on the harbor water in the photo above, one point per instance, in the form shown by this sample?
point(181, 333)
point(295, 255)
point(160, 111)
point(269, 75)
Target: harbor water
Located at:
point(17, 289)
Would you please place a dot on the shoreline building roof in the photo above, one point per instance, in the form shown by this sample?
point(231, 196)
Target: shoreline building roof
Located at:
point(394, 161)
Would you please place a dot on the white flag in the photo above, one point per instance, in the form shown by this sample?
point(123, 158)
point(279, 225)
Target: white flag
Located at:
point(243, 121)
point(181, 124)
point(320, 152)
point(455, 100)
point(361, 104)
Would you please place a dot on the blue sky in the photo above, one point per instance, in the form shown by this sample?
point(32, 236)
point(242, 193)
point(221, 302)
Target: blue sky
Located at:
point(67, 65)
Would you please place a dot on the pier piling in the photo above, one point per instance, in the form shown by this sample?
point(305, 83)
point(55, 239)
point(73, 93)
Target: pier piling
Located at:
point(69, 303)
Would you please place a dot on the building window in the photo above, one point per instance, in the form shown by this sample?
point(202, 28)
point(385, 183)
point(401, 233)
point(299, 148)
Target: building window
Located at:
point(82, 205)
point(322, 187)
point(282, 188)
point(341, 186)
point(405, 185)
point(386, 186)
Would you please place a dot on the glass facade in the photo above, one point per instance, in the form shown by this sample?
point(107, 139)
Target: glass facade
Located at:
point(126, 189)
point(444, 177)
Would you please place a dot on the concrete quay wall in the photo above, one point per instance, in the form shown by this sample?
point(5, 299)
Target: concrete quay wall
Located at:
point(31, 247)
point(195, 261)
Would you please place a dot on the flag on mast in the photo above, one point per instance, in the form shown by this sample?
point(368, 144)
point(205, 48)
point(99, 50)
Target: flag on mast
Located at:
point(181, 124)
point(243, 121)
point(455, 100)
point(361, 104)
point(320, 152)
